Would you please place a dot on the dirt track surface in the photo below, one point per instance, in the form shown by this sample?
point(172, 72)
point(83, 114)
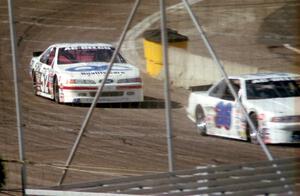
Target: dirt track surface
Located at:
point(120, 140)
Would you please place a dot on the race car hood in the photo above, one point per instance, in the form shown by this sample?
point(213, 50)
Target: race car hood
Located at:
point(278, 106)
point(96, 70)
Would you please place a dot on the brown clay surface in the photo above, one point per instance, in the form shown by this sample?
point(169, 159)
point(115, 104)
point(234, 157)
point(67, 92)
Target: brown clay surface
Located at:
point(120, 140)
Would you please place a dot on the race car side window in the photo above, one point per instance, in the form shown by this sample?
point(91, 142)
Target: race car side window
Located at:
point(51, 56)
point(218, 90)
point(222, 91)
point(48, 56)
point(45, 56)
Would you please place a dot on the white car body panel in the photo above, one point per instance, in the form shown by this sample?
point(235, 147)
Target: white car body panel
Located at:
point(78, 81)
point(232, 123)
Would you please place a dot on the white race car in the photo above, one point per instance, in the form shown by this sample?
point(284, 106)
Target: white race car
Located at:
point(272, 101)
point(72, 73)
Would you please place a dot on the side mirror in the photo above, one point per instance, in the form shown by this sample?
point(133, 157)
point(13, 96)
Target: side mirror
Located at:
point(37, 53)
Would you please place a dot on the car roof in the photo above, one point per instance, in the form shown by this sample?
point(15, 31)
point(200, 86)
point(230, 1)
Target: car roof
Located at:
point(61, 45)
point(264, 75)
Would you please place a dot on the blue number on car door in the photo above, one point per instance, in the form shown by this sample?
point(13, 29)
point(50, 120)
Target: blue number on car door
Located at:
point(223, 115)
point(224, 105)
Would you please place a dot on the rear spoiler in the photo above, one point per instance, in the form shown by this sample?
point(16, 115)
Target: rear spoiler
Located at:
point(37, 53)
point(200, 87)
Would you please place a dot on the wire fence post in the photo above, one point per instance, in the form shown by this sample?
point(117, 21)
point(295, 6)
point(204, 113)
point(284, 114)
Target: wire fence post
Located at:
point(168, 114)
point(17, 93)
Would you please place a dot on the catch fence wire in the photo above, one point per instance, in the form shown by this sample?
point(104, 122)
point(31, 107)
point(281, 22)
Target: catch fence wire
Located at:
point(167, 90)
point(168, 117)
point(9, 126)
point(222, 70)
point(213, 33)
point(99, 91)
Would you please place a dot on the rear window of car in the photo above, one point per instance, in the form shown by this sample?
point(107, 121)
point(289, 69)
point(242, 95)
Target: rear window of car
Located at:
point(272, 88)
point(69, 55)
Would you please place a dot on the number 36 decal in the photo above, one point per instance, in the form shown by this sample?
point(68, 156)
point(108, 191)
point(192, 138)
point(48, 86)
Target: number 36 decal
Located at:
point(223, 115)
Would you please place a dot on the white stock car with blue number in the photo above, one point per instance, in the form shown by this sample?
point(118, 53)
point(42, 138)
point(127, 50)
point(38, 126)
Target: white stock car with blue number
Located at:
point(72, 73)
point(272, 101)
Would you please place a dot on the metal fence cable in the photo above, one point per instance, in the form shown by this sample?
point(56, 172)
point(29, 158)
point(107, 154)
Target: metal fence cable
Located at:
point(17, 93)
point(99, 91)
point(223, 72)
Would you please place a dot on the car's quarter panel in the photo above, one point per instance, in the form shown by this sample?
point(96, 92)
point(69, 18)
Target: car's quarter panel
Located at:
point(46, 71)
point(195, 98)
point(43, 73)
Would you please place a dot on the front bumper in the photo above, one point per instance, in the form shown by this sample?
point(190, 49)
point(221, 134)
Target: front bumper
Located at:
point(281, 133)
point(110, 94)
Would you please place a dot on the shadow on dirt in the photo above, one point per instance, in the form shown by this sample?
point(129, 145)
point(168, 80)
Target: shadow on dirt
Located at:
point(292, 145)
point(279, 145)
point(148, 103)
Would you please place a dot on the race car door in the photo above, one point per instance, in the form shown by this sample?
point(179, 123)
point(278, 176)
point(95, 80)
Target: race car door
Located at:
point(225, 120)
point(46, 70)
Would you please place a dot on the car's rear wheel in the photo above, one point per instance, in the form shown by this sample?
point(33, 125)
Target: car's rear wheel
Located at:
point(252, 135)
point(200, 120)
point(56, 91)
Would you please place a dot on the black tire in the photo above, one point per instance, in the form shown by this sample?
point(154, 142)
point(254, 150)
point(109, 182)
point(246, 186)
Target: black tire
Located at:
point(252, 136)
point(56, 91)
point(34, 87)
point(200, 121)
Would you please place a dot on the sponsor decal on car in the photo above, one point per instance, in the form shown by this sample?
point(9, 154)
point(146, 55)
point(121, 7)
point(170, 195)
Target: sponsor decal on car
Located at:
point(223, 115)
point(94, 69)
point(88, 47)
point(97, 68)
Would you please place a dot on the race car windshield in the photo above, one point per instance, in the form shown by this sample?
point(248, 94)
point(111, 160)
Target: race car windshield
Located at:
point(269, 88)
point(69, 55)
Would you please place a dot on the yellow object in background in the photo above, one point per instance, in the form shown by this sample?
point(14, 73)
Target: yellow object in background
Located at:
point(153, 49)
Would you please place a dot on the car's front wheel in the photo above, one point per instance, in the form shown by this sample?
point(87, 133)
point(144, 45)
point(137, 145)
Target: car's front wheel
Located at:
point(252, 135)
point(56, 91)
point(200, 120)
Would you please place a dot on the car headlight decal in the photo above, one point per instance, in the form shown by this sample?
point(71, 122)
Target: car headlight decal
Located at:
point(80, 81)
point(130, 80)
point(108, 81)
point(286, 119)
